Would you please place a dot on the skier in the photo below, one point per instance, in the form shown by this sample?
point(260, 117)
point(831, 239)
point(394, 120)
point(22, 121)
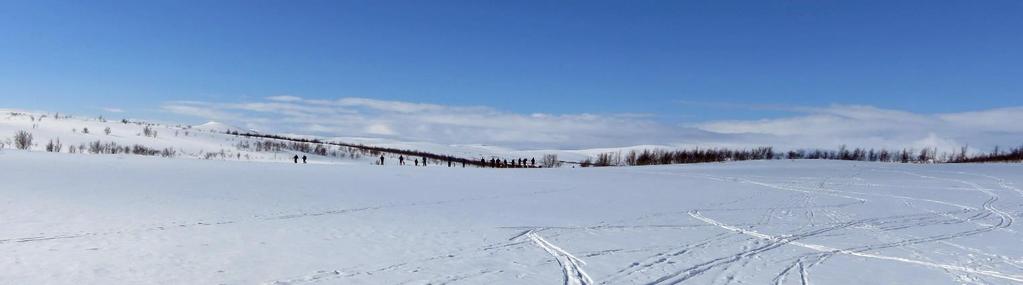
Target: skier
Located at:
point(381, 159)
point(401, 160)
point(296, 158)
point(303, 159)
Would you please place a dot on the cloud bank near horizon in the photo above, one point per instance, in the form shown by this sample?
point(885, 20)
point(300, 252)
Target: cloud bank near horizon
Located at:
point(805, 127)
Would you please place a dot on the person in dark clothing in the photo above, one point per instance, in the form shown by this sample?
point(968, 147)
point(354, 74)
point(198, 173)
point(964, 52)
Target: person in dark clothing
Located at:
point(381, 159)
point(303, 159)
point(483, 162)
point(449, 162)
point(424, 161)
point(296, 158)
point(463, 164)
point(532, 162)
point(417, 162)
point(401, 160)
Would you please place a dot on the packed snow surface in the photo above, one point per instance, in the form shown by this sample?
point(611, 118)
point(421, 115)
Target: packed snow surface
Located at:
point(121, 219)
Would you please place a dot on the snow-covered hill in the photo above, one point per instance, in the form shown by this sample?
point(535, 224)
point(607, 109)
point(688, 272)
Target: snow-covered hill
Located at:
point(218, 127)
point(115, 219)
point(202, 140)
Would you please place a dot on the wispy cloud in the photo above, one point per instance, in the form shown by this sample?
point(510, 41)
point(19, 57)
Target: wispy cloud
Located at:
point(857, 125)
point(354, 116)
point(807, 127)
point(113, 110)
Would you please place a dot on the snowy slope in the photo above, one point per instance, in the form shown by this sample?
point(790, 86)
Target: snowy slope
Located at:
point(218, 127)
point(115, 219)
point(187, 141)
point(196, 141)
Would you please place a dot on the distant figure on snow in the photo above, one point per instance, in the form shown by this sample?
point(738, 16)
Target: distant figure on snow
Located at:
point(424, 161)
point(532, 162)
point(303, 159)
point(401, 160)
point(381, 159)
point(417, 162)
point(296, 158)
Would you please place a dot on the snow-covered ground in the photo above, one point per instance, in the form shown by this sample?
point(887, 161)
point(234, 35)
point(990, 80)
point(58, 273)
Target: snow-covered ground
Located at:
point(123, 219)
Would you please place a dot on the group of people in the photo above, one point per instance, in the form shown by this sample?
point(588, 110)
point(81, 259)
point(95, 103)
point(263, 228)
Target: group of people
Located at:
point(515, 163)
point(401, 160)
point(495, 163)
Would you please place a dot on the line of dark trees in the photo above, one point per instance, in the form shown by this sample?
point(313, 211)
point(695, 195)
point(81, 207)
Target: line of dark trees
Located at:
point(925, 155)
point(860, 154)
point(664, 156)
point(1013, 155)
point(311, 146)
point(683, 156)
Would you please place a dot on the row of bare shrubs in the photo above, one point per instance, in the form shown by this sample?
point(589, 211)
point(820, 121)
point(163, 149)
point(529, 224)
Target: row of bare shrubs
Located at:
point(1013, 155)
point(682, 156)
point(321, 149)
point(23, 140)
point(925, 155)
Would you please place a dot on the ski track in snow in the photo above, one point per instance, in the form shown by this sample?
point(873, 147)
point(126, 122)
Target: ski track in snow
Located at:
point(1004, 221)
point(571, 266)
point(860, 253)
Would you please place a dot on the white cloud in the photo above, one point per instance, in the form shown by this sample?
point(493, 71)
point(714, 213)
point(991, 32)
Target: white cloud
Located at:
point(883, 128)
point(284, 98)
point(113, 110)
point(389, 106)
point(380, 129)
point(357, 117)
point(826, 127)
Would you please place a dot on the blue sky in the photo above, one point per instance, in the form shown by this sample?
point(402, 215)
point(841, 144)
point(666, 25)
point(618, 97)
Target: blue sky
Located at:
point(673, 63)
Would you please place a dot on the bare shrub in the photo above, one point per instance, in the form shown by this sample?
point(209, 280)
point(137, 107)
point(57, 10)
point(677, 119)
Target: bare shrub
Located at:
point(54, 146)
point(550, 160)
point(149, 132)
point(22, 140)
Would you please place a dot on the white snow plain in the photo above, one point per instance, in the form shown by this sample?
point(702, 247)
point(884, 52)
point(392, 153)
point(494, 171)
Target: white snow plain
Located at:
point(123, 219)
